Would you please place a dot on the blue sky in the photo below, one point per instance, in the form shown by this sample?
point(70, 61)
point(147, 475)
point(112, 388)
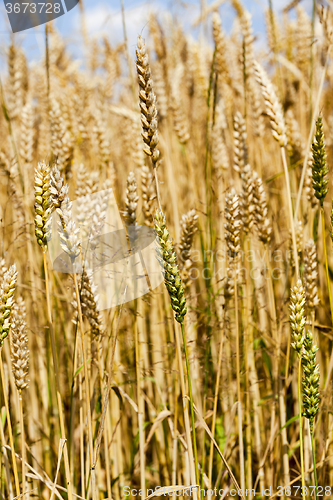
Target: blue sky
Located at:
point(104, 17)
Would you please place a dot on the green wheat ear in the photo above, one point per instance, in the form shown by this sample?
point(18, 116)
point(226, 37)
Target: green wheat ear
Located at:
point(167, 258)
point(311, 397)
point(319, 163)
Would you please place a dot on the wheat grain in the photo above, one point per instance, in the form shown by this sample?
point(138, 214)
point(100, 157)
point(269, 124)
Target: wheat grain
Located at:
point(240, 146)
point(168, 260)
point(147, 103)
point(221, 47)
point(247, 205)
point(311, 375)
point(19, 344)
point(261, 219)
point(233, 223)
point(68, 232)
point(189, 226)
point(148, 196)
point(297, 316)
point(89, 303)
point(131, 200)
point(319, 164)
point(247, 55)
point(273, 106)
point(311, 275)
point(43, 204)
point(7, 290)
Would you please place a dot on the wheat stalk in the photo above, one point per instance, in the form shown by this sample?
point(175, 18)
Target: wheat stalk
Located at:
point(148, 108)
point(297, 323)
point(43, 208)
point(131, 200)
point(167, 258)
point(232, 236)
point(311, 397)
point(7, 290)
point(274, 111)
point(70, 243)
point(20, 364)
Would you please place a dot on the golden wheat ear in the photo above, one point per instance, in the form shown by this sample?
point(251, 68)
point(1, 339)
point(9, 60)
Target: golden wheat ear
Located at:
point(7, 291)
point(68, 232)
point(43, 204)
point(147, 102)
point(19, 345)
point(273, 106)
point(131, 199)
point(311, 275)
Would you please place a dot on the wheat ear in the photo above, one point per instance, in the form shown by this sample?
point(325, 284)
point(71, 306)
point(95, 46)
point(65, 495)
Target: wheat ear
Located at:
point(43, 205)
point(311, 275)
point(7, 291)
point(168, 260)
point(131, 199)
point(130, 216)
point(70, 243)
point(261, 219)
point(274, 111)
point(189, 226)
point(148, 195)
point(232, 227)
point(297, 324)
point(311, 398)
point(319, 164)
point(20, 363)
point(148, 108)
point(319, 184)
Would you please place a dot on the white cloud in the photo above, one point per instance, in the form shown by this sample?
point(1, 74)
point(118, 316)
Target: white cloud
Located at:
point(105, 20)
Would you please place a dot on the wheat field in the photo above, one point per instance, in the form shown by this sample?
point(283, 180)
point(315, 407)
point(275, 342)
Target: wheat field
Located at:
point(219, 374)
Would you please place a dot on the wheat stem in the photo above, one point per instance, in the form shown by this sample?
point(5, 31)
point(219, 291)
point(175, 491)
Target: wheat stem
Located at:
point(191, 404)
point(185, 408)
point(216, 395)
point(87, 392)
point(290, 208)
point(81, 422)
point(300, 420)
point(105, 431)
point(140, 405)
point(323, 229)
point(57, 380)
point(10, 430)
point(282, 411)
point(314, 461)
point(22, 442)
point(239, 397)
